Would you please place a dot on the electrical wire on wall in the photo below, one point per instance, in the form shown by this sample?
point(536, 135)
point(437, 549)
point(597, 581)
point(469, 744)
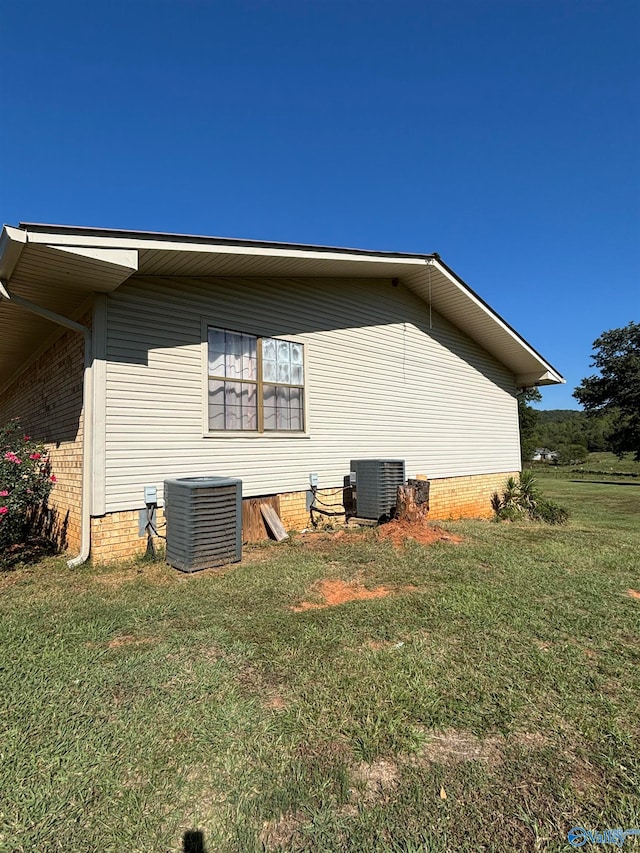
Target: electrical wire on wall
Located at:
point(151, 530)
point(319, 509)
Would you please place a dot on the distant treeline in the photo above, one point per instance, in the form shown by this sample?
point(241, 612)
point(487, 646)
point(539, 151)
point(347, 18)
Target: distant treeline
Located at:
point(555, 428)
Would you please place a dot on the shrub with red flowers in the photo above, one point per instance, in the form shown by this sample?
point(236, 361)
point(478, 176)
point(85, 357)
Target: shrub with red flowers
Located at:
point(25, 484)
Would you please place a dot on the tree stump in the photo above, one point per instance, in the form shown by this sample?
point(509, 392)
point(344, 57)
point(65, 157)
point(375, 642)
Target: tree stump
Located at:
point(413, 501)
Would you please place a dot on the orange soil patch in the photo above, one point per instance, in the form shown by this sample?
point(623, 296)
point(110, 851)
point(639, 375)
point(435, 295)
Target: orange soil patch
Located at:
point(426, 534)
point(633, 593)
point(336, 592)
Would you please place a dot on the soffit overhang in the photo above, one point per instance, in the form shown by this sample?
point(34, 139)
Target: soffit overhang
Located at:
point(60, 267)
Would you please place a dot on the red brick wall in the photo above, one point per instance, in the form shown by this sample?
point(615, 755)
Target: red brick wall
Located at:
point(47, 398)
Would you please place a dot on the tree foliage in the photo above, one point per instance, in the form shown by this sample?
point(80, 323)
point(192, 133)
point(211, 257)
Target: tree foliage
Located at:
point(556, 428)
point(617, 389)
point(527, 418)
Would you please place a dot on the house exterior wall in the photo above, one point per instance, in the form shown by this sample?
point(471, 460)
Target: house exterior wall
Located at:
point(383, 379)
point(116, 536)
point(47, 398)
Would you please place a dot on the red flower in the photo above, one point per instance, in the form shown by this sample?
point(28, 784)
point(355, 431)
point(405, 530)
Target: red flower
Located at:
point(26, 437)
point(35, 456)
point(4, 493)
point(53, 478)
point(3, 510)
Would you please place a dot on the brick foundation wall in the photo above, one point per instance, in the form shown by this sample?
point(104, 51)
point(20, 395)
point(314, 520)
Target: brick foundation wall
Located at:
point(115, 536)
point(47, 399)
point(449, 498)
point(465, 497)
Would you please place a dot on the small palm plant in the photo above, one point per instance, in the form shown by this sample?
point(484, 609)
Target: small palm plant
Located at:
point(521, 500)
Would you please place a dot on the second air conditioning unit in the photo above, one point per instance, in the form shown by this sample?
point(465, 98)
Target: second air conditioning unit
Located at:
point(376, 485)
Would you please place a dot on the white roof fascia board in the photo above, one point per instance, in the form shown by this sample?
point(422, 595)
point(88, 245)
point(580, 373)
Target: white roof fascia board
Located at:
point(12, 242)
point(527, 380)
point(59, 242)
point(549, 373)
point(56, 240)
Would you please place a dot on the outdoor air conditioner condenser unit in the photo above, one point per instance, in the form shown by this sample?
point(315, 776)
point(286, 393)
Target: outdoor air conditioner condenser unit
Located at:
point(204, 522)
point(377, 482)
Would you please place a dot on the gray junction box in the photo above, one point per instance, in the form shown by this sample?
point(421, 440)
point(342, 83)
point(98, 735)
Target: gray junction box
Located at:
point(204, 522)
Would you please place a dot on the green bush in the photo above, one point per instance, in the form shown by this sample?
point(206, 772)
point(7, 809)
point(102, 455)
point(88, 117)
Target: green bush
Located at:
point(571, 454)
point(520, 500)
point(25, 484)
point(550, 512)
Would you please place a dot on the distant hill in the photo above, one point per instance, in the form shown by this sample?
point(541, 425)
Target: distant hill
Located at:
point(561, 427)
point(552, 416)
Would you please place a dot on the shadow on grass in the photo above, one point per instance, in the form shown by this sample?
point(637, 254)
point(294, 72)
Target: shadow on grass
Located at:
point(193, 842)
point(605, 483)
point(27, 554)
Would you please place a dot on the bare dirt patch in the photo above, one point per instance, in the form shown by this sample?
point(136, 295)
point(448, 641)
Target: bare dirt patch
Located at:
point(333, 592)
point(633, 593)
point(397, 532)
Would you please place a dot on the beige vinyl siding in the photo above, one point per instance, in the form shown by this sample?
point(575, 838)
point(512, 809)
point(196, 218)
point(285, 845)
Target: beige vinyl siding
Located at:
point(379, 383)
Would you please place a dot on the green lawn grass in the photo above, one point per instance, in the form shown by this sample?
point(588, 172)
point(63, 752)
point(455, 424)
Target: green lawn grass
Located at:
point(489, 704)
point(598, 466)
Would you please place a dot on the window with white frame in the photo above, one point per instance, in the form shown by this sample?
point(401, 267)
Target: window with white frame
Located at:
point(255, 384)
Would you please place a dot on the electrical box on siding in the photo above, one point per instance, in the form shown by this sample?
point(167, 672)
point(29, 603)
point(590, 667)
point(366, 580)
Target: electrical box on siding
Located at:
point(204, 522)
point(376, 484)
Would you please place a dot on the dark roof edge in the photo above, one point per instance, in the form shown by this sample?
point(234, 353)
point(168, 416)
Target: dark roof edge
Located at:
point(220, 241)
point(494, 312)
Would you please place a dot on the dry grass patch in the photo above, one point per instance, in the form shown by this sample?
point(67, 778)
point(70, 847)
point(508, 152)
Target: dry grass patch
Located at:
point(253, 682)
point(283, 832)
point(375, 781)
point(531, 740)
point(584, 777)
point(130, 640)
point(455, 746)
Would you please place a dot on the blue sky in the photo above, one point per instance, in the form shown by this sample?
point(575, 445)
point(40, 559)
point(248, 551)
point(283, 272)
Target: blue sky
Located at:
point(503, 135)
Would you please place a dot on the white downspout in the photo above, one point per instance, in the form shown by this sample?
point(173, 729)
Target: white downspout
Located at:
point(87, 426)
